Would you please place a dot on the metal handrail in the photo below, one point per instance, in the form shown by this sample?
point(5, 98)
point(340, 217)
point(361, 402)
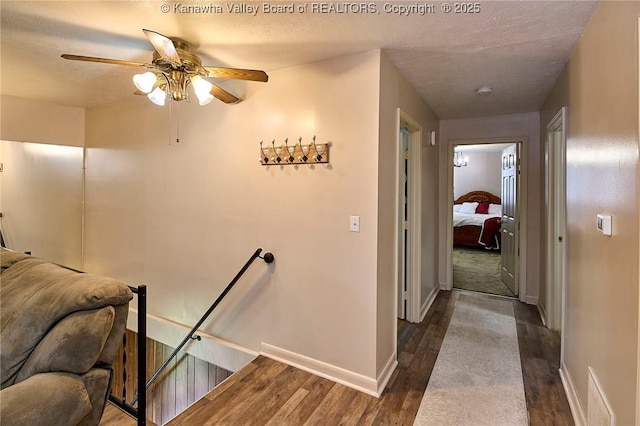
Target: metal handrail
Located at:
point(268, 258)
point(139, 412)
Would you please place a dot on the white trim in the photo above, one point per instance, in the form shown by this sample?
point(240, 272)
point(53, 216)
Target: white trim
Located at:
point(638, 364)
point(554, 295)
point(572, 396)
point(212, 349)
point(523, 143)
point(542, 313)
point(415, 214)
point(428, 302)
point(531, 300)
point(385, 374)
point(328, 371)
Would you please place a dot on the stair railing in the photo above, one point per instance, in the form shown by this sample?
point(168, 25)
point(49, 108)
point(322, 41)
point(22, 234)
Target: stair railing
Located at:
point(268, 258)
point(139, 412)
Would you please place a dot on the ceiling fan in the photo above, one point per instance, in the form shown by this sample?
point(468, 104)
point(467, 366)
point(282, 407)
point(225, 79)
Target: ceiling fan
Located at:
point(173, 68)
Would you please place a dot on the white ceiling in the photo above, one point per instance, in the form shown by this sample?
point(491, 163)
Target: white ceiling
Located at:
point(516, 47)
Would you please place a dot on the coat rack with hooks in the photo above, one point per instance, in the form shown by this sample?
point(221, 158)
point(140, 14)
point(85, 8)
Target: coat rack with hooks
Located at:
point(294, 153)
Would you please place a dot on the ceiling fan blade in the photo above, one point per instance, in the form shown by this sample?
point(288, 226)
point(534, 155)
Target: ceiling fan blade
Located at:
point(101, 60)
point(237, 74)
point(223, 95)
point(164, 46)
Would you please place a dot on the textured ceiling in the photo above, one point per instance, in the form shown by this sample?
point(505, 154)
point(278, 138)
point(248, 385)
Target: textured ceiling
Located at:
point(516, 47)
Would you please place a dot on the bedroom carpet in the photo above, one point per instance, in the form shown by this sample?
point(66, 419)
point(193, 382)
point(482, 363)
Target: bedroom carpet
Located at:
point(477, 377)
point(478, 270)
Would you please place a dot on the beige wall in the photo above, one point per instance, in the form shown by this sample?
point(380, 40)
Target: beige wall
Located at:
point(482, 172)
point(599, 86)
point(41, 185)
point(32, 121)
point(41, 200)
point(396, 92)
point(184, 217)
point(498, 127)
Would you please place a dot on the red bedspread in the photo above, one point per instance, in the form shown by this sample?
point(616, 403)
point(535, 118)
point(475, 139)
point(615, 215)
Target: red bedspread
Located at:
point(489, 233)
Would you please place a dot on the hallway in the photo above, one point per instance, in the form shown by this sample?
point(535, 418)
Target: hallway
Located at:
point(268, 392)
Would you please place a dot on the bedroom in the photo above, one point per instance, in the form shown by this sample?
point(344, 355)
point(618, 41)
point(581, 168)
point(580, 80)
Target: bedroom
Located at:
point(479, 258)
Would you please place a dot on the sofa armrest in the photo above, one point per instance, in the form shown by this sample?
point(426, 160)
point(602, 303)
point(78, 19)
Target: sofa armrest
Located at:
point(45, 399)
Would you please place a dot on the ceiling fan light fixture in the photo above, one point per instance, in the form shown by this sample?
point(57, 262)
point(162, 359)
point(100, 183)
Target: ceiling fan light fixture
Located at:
point(204, 100)
point(145, 81)
point(158, 96)
point(202, 89)
point(172, 69)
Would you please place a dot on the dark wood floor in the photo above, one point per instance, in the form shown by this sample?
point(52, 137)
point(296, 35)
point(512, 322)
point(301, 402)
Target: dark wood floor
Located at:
point(266, 392)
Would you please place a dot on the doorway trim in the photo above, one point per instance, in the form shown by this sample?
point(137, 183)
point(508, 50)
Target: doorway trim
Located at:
point(522, 142)
point(414, 236)
point(638, 378)
point(555, 163)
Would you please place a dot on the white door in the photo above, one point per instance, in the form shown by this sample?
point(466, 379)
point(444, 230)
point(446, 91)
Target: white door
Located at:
point(556, 219)
point(509, 233)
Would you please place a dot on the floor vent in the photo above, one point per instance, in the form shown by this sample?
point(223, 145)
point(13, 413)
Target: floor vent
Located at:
point(599, 411)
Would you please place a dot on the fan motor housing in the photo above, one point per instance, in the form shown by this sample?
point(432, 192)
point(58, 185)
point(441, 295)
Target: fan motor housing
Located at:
point(190, 62)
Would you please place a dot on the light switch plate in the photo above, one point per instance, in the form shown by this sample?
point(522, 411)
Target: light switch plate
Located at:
point(603, 224)
point(354, 223)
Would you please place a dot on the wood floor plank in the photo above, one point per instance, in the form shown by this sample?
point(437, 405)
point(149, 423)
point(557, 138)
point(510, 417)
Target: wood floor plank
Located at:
point(357, 409)
point(287, 408)
point(318, 389)
point(260, 407)
point(540, 361)
point(332, 407)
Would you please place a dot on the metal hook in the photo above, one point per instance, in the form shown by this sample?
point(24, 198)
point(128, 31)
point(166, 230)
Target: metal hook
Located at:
point(318, 156)
point(276, 159)
point(263, 159)
point(290, 151)
point(303, 157)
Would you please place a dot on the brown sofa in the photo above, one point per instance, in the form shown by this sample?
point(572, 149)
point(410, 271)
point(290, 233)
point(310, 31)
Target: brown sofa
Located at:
point(60, 331)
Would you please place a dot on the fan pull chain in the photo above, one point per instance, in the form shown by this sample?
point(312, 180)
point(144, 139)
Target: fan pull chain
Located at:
point(178, 128)
point(170, 119)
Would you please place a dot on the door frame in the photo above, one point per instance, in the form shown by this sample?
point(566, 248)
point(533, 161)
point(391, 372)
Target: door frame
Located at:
point(638, 378)
point(555, 292)
point(521, 197)
point(414, 200)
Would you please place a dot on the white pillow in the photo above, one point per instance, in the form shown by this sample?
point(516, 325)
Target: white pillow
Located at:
point(457, 207)
point(469, 208)
point(495, 209)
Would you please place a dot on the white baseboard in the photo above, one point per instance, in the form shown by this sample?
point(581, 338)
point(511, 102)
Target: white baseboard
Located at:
point(212, 349)
point(428, 302)
point(531, 300)
point(574, 403)
point(322, 369)
point(385, 374)
point(543, 314)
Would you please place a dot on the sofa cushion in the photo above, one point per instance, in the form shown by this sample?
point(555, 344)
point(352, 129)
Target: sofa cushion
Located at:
point(72, 345)
point(61, 399)
point(34, 296)
point(8, 258)
point(98, 384)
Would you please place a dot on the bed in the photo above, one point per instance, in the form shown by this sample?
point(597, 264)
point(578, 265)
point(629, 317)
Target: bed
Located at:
point(476, 220)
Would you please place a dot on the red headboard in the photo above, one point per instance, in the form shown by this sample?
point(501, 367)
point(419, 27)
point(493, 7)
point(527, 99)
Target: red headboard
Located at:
point(478, 197)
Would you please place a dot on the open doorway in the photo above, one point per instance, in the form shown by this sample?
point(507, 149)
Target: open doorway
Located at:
point(484, 220)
